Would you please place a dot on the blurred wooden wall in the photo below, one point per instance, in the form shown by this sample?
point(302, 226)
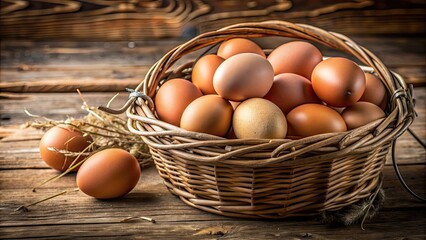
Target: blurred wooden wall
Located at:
point(147, 19)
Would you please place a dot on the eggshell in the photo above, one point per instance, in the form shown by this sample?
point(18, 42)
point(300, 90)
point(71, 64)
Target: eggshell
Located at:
point(173, 97)
point(295, 57)
point(375, 91)
point(312, 119)
point(63, 137)
point(339, 82)
point(238, 45)
point(361, 113)
point(243, 76)
point(203, 72)
point(290, 90)
point(208, 114)
point(110, 173)
point(259, 118)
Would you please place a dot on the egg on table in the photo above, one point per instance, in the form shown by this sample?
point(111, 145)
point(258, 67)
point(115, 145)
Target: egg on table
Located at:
point(63, 137)
point(109, 173)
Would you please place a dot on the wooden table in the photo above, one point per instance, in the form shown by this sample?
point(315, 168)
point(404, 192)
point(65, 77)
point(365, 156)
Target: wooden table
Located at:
point(42, 76)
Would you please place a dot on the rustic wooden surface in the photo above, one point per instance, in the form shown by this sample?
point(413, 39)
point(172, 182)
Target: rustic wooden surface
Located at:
point(41, 76)
point(114, 66)
point(142, 19)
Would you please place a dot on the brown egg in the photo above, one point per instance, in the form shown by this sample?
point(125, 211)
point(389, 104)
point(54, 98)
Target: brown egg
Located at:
point(173, 97)
point(243, 76)
point(208, 114)
point(259, 118)
point(312, 119)
point(361, 113)
point(290, 90)
point(339, 82)
point(63, 137)
point(295, 57)
point(238, 45)
point(203, 72)
point(375, 91)
point(110, 173)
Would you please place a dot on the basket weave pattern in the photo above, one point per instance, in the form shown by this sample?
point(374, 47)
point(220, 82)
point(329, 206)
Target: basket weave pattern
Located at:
point(270, 178)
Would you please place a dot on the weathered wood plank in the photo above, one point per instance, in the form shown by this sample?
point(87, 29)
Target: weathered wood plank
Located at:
point(120, 20)
point(102, 67)
point(400, 216)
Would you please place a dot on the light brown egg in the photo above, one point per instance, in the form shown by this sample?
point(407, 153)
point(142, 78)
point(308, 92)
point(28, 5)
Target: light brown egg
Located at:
point(238, 45)
point(63, 137)
point(208, 114)
point(290, 90)
point(361, 113)
point(295, 57)
point(203, 72)
point(375, 91)
point(312, 119)
point(259, 118)
point(243, 76)
point(339, 82)
point(173, 97)
point(110, 173)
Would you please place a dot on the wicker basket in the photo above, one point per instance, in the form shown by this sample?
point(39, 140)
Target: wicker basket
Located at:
point(270, 178)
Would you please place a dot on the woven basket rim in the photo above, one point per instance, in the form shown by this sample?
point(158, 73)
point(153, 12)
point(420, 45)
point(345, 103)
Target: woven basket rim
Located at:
point(260, 152)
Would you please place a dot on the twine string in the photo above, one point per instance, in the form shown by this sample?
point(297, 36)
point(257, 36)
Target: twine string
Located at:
point(133, 96)
point(396, 168)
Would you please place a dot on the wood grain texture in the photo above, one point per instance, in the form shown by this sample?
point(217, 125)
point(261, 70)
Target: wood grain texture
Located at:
point(135, 20)
point(28, 66)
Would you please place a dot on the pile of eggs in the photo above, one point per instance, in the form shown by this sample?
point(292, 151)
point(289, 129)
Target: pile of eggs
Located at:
point(291, 93)
point(108, 173)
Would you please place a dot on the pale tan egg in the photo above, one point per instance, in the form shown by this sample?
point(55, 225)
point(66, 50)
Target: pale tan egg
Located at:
point(259, 118)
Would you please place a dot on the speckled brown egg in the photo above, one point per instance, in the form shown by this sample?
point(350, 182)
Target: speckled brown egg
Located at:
point(63, 137)
point(361, 113)
point(295, 57)
point(110, 173)
point(235, 46)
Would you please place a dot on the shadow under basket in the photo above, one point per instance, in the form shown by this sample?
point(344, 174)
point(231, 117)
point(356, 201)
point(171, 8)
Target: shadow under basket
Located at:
point(270, 178)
